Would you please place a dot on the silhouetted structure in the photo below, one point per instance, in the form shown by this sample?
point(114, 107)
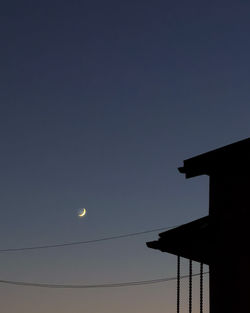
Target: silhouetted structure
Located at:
point(220, 239)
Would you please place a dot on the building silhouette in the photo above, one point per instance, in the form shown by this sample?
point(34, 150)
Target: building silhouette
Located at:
point(221, 239)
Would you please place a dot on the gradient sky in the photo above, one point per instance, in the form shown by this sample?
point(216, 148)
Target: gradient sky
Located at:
point(101, 101)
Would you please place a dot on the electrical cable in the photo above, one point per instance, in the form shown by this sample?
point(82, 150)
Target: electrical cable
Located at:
point(74, 243)
point(109, 285)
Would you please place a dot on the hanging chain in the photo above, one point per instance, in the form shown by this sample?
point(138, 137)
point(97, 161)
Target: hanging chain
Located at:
point(201, 288)
point(190, 286)
point(178, 284)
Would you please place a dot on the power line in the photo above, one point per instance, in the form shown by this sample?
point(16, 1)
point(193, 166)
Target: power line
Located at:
point(74, 243)
point(110, 285)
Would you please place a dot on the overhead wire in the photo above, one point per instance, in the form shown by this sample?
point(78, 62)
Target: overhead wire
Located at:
point(108, 285)
point(74, 243)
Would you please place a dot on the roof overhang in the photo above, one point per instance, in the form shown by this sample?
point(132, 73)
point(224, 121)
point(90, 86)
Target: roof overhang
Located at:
point(191, 241)
point(230, 159)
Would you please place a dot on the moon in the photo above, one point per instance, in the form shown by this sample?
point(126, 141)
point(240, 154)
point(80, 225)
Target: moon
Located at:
point(82, 212)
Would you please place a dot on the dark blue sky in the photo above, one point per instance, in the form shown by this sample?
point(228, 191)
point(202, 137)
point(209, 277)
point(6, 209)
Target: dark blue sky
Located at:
point(100, 102)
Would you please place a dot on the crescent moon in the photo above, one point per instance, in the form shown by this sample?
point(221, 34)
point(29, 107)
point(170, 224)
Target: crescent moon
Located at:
point(82, 213)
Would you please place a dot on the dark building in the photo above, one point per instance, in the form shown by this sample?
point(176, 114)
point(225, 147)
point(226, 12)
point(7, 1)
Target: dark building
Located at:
point(221, 239)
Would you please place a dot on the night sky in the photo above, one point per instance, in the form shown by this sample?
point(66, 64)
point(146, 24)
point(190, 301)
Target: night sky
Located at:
point(101, 101)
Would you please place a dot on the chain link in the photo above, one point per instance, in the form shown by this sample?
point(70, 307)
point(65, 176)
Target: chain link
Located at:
point(178, 284)
point(201, 288)
point(190, 285)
